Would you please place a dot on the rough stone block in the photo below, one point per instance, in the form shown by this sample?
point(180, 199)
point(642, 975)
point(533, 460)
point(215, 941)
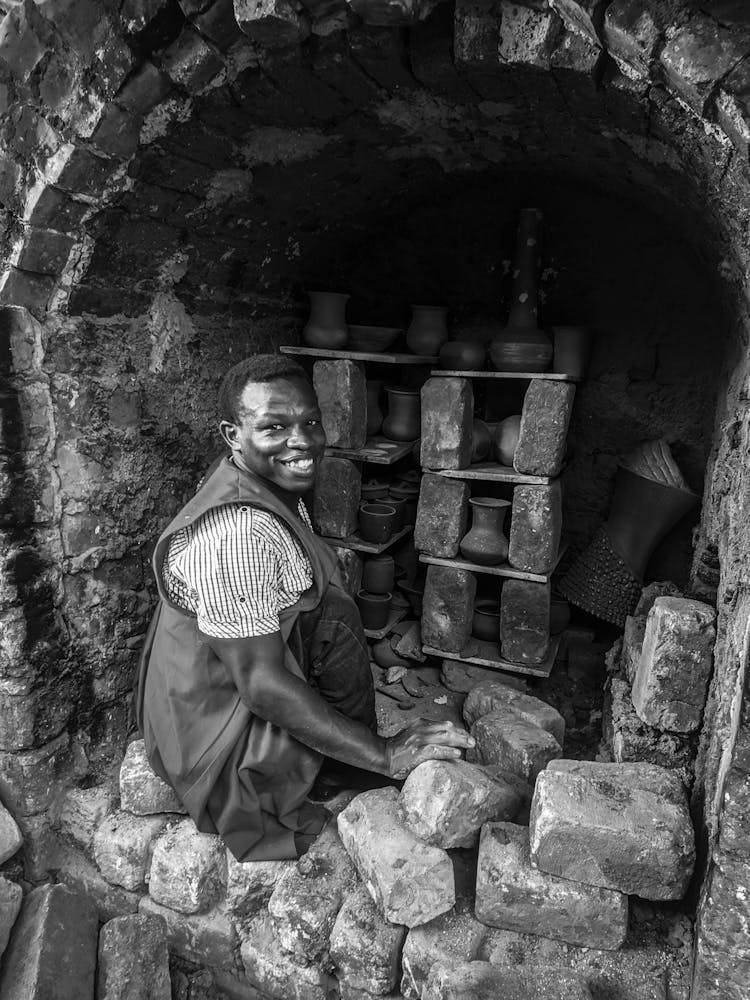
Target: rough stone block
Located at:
point(82, 811)
point(735, 816)
point(725, 913)
point(671, 681)
point(308, 896)
point(482, 981)
point(204, 938)
point(446, 802)
point(508, 741)
point(81, 875)
point(342, 395)
point(620, 826)
point(271, 23)
point(122, 847)
point(191, 62)
point(351, 566)
point(512, 894)
point(453, 937)
point(30, 780)
point(410, 881)
point(188, 869)
point(250, 884)
point(545, 417)
point(698, 55)
point(733, 107)
point(631, 35)
point(365, 948)
point(52, 948)
point(273, 971)
point(535, 527)
point(133, 960)
point(448, 608)
point(11, 896)
point(40, 845)
point(144, 89)
point(658, 588)
point(447, 423)
point(489, 695)
point(10, 835)
point(442, 516)
point(632, 644)
point(336, 497)
point(527, 35)
point(524, 621)
point(585, 17)
point(141, 791)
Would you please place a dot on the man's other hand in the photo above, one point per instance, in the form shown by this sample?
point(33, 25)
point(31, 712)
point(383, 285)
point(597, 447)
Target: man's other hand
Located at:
point(423, 741)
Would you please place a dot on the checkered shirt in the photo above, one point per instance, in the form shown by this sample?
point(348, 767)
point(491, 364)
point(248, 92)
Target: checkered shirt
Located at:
point(236, 568)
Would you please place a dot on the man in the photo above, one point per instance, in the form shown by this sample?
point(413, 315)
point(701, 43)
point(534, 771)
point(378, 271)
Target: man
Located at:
point(255, 665)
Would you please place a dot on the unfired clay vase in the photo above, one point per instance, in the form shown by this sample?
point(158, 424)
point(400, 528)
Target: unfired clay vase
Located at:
point(505, 438)
point(463, 356)
point(326, 326)
point(404, 419)
point(485, 543)
point(378, 574)
point(427, 331)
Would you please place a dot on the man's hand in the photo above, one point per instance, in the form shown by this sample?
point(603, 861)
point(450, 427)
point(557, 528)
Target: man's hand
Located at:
point(423, 741)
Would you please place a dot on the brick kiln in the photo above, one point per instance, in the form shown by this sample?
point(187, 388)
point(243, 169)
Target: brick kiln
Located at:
point(175, 175)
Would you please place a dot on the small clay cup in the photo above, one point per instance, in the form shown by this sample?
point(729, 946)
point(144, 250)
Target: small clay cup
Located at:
point(373, 609)
point(378, 575)
point(486, 621)
point(376, 522)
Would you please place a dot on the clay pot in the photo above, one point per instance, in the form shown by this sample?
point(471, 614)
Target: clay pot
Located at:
point(486, 544)
point(505, 438)
point(463, 356)
point(403, 422)
point(521, 346)
point(326, 326)
point(384, 654)
point(427, 331)
point(571, 349)
point(378, 575)
point(481, 441)
point(400, 504)
point(485, 623)
point(410, 493)
point(374, 410)
point(373, 609)
point(376, 522)
point(374, 489)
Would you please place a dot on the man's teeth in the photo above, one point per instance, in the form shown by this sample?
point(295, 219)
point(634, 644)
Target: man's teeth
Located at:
point(301, 463)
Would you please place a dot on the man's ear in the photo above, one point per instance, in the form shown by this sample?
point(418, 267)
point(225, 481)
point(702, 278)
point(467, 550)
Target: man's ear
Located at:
point(229, 433)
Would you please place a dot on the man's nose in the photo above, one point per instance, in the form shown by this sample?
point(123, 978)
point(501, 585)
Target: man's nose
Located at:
point(301, 437)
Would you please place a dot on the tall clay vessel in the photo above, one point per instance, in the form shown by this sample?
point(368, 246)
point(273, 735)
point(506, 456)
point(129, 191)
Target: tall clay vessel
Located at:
point(404, 419)
point(427, 331)
point(521, 346)
point(326, 325)
point(486, 544)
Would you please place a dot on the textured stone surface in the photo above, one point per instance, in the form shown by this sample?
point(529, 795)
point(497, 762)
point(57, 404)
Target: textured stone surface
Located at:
point(309, 894)
point(74, 870)
point(723, 928)
point(698, 55)
point(123, 844)
point(448, 608)
point(733, 106)
point(632, 644)
point(508, 741)
point(482, 981)
point(620, 826)
point(447, 423)
point(141, 791)
point(250, 884)
point(442, 515)
point(271, 23)
point(545, 417)
point(10, 835)
point(453, 937)
point(11, 896)
point(365, 948)
point(524, 621)
point(336, 498)
point(342, 395)
point(513, 894)
point(133, 960)
point(82, 811)
point(410, 881)
point(527, 35)
point(274, 971)
point(582, 16)
point(446, 802)
point(204, 938)
point(52, 949)
point(188, 869)
point(671, 680)
point(351, 566)
point(458, 676)
point(535, 526)
point(31, 779)
point(631, 35)
point(489, 695)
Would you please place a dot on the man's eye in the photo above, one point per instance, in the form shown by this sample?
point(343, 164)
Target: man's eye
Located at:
point(313, 421)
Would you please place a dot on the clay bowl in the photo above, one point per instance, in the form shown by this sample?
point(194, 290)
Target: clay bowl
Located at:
point(373, 609)
point(486, 621)
point(376, 522)
point(371, 338)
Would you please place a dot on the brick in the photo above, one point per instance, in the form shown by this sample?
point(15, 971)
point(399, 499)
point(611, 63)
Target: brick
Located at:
point(453, 937)
point(219, 24)
point(29, 290)
point(512, 894)
point(632, 644)
point(535, 528)
point(203, 938)
point(631, 35)
point(271, 23)
point(448, 608)
point(31, 779)
point(133, 960)
point(585, 17)
point(144, 89)
point(141, 791)
point(365, 948)
point(442, 515)
point(545, 417)
point(11, 896)
point(273, 971)
point(527, 36)
point(342, 396)
point(508, 741)
point(21, 49)
point(446, 802)
point(410, 881)
point(188, 869)
point(21, 338)
point(82, 811)
point(698, 55)
point(123, 845)
point(85, 173)
point(45, 251)
point(191, 62)
point(489, 695)
point(447, 423)
point(671, 680)
point(620, 826)
point(308, 896)
point(524, 621)
point(117, 133)
point(74, 870)
point(52, 949)
point(482, 981)
point(54, 206)
point(336, 498)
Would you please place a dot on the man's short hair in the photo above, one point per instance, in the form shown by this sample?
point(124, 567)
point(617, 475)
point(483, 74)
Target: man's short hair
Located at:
point(258, 368)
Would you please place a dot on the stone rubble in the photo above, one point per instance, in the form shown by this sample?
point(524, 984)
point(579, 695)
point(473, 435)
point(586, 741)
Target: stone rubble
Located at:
point(188, 870)
point(482, 981)
point(141, 791)
point(453, 937)
point(365, 949)
point(123, 845)
point(133, 960)
point(489, 695)
point(513, 743)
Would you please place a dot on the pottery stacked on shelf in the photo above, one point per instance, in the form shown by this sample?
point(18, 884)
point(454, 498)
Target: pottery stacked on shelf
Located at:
point(485, 543)
point(326, 326)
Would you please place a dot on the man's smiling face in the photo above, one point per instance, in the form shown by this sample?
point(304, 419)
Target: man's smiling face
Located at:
point(279, 436)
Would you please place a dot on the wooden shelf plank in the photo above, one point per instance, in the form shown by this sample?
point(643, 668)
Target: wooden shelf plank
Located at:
point(381, 357)
point(493, 472)
point(550, 376)
point(359, 545)
point(504, 569)
point(482, 653)
point(395, 615)
point(379, 450)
